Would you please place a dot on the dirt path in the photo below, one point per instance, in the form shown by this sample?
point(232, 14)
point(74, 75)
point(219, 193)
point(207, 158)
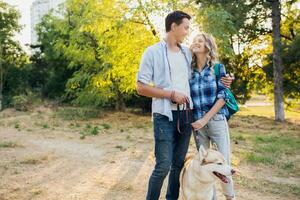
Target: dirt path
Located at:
point(55, 164)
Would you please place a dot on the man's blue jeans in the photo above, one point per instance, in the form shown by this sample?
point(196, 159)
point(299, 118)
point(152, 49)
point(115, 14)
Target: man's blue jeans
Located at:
point(170, 150)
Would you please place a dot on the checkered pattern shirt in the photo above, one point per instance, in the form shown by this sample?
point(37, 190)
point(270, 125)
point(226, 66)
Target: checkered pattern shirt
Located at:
point(205, 91)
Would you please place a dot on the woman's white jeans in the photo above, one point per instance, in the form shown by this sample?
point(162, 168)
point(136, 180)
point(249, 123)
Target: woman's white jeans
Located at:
point(216, 131)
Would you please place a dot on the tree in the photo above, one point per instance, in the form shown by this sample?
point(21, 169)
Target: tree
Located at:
point(11, 54)
point(277, 61)
point(245, 37)
point(235, 24)
point(290, 38)
point(102, 44)
point(50, 69)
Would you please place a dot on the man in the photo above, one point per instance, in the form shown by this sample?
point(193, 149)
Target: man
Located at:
point(167, 66)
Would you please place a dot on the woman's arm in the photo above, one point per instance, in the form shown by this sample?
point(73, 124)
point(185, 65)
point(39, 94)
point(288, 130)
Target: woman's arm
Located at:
point(221, 96)
point(200, 123)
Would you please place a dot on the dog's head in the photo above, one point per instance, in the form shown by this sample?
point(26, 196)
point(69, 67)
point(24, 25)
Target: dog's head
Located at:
point(214, 164)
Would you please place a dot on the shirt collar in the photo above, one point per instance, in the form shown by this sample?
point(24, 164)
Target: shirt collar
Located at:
point(204, 68)
point(164, 43)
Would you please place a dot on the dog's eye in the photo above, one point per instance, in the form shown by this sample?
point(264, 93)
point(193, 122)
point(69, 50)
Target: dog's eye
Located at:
point(219, 163)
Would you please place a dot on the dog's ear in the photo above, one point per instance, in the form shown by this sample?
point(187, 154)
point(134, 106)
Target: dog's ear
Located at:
point(215, 147)
point(202, 152)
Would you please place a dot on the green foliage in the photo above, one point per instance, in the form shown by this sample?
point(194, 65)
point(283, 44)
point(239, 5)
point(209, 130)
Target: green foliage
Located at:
point(49, 70)
point(290, 30)
point(243, 34)
point(291, 60)
point(230, 25)
point(12, 57)
point(20, 102)
point(88, 54)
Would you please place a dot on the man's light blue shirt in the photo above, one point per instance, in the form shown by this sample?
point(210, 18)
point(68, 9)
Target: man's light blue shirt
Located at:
point(154, 68)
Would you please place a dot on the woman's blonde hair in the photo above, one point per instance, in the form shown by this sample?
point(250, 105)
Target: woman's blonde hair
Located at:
point(211, 46)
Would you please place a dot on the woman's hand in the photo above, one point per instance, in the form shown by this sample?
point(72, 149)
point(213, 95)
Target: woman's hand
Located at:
point(200, 123)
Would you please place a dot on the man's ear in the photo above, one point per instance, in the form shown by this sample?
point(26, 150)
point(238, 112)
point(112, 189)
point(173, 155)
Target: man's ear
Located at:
point(202, 152)
point(173, 26)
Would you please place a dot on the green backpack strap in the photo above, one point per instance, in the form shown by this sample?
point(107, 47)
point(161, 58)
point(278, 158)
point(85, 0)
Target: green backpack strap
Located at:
point(231, 104)
point(217, 70)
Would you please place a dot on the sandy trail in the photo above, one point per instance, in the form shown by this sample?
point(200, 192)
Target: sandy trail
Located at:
point(49, 164)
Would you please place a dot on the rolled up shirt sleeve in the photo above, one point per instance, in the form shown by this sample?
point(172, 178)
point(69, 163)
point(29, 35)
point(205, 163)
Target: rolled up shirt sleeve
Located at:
point(221, 94)
point(145, 72)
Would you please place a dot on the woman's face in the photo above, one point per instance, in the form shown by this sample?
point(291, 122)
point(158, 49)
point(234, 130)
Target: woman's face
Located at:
point(198, 45)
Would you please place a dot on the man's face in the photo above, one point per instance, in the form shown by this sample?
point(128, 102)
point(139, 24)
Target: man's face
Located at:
point(182, 30)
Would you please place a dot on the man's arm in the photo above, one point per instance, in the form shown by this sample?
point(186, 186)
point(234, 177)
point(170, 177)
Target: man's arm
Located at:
point(150, 91)
point(227, 80)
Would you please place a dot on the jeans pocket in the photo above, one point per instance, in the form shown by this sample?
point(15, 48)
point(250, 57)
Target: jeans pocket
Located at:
point(218, 117)
point(157, 116)
point(162, 127)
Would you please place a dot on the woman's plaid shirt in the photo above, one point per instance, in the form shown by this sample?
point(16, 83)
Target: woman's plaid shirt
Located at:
point(205, 91)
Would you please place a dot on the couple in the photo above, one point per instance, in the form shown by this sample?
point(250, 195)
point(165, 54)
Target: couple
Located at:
point(182, 75)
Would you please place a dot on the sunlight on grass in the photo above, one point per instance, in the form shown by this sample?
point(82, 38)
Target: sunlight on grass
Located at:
point(267, 111)
point(268, 186)
point(259, 140)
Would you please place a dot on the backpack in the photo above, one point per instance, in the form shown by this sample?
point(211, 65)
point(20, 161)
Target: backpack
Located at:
point(231, 104)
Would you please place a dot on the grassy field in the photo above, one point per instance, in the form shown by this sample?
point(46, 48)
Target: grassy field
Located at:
point(76, 153)
point(269, 147)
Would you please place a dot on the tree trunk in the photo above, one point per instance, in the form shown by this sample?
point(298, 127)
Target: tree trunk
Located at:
point(277, 62)
point(120, 103)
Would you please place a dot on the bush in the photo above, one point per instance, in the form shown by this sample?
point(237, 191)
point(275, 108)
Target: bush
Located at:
point(20, 102)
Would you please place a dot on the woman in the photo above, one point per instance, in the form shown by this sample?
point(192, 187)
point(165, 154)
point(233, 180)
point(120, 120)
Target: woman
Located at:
point(209, 98)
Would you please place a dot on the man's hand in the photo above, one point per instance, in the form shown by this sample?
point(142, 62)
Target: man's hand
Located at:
point(180, 98)
point(227, 80)
point(200, 123)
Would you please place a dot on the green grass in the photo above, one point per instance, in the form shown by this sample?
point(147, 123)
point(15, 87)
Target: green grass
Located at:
point(30, 161)
point(259, 140)
point(267, 111)
point(89, 130)
point(17, 126)
point(8, 145)
point(255, 158)
point(260, 185)
point(78, 113)
point(94, 130)
point(88, 126)
point(106, 126)
point(120, 147)
point(45, 125)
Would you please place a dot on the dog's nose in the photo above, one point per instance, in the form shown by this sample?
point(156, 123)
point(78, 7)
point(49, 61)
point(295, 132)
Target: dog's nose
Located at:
point(233, 171)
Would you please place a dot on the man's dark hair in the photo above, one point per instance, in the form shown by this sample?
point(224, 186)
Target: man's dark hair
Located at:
point(175, 17)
